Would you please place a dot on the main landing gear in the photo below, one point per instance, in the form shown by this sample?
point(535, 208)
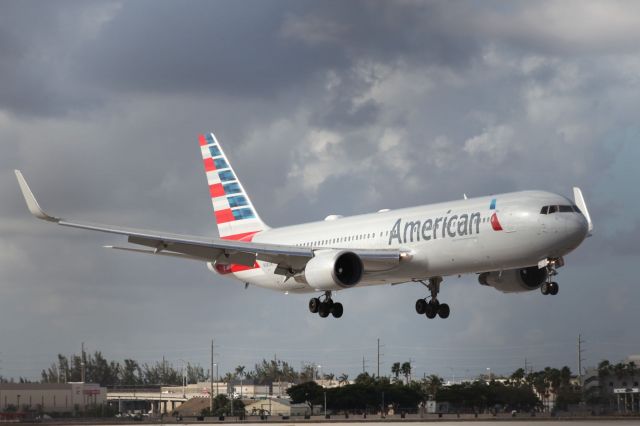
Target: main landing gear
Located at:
point(433, 307)
point(326, 306)
point(549, 286)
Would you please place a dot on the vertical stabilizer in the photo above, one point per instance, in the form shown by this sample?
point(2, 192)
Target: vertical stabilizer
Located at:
point(235, 215)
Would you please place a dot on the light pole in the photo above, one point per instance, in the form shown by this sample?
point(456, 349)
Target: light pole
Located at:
point(325, 404)
point(184, 378)
point(216, 378)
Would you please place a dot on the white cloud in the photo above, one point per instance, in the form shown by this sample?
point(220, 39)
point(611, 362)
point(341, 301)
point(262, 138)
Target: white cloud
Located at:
point(495, 144)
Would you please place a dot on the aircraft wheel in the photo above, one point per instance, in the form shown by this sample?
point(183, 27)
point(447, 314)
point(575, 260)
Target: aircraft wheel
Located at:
point(324, 309)
point(443, 311)
point(553, 288)
point(337, 310)
point(313, 305)
point(431, 310)
point(421, 306)
point(544, 288)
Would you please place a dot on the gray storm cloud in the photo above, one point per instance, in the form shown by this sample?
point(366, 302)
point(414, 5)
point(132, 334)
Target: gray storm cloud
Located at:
point(323, 107)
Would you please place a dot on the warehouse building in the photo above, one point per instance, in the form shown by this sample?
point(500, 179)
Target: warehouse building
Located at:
point(51, 397)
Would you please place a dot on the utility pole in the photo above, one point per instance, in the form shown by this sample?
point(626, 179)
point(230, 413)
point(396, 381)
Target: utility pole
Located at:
point(82, 365)
point(363, 367)
point(211, 382)
point(378, 357)
point(580, 359)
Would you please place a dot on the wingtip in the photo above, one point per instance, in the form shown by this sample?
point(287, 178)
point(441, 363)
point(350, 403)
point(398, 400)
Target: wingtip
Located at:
point(30, 199)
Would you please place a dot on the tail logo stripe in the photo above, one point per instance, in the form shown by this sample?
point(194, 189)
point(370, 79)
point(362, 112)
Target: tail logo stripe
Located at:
point(231, 188)
point(234, 211)
point(216, 190)
point(224, 216)
point(226, 175)
point(209, 165)
point(220, 163)
point(215, 151)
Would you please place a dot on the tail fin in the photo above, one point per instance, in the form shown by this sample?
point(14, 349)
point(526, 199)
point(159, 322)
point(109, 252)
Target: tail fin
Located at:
point(235, 215)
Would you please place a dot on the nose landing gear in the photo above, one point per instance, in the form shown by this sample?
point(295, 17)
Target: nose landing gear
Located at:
point(326, 306)
point(433, 307)
point(549, 286)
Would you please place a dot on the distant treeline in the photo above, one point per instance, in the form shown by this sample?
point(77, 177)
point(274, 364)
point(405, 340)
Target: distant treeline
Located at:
point(130, 372)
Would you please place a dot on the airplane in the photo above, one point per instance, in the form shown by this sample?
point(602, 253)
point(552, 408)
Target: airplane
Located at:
point(515, 242)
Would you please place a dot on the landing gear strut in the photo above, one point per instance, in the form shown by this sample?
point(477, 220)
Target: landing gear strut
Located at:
point(549, 286)
point(432, 307)
point(326, 306)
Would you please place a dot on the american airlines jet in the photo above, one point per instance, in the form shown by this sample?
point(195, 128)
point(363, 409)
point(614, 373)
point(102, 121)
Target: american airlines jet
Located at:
point(514, 242)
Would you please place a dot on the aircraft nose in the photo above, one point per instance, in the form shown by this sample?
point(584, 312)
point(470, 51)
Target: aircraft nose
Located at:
point(578, 228)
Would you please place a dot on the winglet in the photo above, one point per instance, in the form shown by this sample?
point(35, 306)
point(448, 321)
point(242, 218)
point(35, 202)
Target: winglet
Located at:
point(32, 203)
point(582, 205)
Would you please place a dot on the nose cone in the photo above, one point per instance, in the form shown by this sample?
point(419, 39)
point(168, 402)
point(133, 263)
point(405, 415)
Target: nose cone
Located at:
point(577, 229)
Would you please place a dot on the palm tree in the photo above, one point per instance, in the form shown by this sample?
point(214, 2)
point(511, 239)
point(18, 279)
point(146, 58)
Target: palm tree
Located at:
point(240, 374)
point(343, 379)
point(330, 378)
point(395, 369)
point(406, 370)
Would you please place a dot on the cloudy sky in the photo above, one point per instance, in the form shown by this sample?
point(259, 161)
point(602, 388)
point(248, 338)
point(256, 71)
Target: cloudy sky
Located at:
point(323, 107)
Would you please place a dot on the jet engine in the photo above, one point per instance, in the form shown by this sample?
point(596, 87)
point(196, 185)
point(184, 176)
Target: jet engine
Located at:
point(332, 270)
point(514, 280)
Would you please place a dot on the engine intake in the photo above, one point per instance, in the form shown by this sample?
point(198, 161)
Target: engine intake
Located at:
point(514, 280)
point(333, 270)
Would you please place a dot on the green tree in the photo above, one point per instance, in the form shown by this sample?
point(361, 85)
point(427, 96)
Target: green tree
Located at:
point(405, 369)
point(131, 374)
point(518, 375)
point(343, 379)
point(433, 384)
point(309, 392)
point(395, 370)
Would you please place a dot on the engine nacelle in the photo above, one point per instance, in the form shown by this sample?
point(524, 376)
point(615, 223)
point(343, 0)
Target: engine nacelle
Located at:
point(514, 280)
point(332, 270)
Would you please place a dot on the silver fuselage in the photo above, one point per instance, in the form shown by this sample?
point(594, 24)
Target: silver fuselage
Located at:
point(457, 237)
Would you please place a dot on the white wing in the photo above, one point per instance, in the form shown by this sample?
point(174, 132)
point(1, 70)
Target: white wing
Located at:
point(289, 257)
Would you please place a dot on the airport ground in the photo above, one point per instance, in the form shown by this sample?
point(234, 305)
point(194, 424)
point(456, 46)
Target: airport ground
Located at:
point(446, 419)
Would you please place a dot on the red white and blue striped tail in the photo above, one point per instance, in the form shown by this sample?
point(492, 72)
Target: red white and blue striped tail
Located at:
point(235, 215)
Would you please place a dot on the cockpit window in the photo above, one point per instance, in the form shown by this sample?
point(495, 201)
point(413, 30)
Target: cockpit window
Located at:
point(561, 209)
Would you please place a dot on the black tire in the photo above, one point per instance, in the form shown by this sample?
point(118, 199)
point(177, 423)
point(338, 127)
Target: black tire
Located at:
point(324, 310)
point(314, 304)
point(431, 310)
point(444, 311)
point(544, 288)
point(337, 310)
point(421, 306)
point(554, 288)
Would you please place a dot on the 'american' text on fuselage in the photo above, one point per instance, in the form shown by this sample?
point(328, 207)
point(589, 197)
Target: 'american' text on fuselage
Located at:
point(441, 227)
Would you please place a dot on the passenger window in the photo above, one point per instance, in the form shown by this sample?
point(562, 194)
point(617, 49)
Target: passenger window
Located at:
point(553, 209)
point(544, 210)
